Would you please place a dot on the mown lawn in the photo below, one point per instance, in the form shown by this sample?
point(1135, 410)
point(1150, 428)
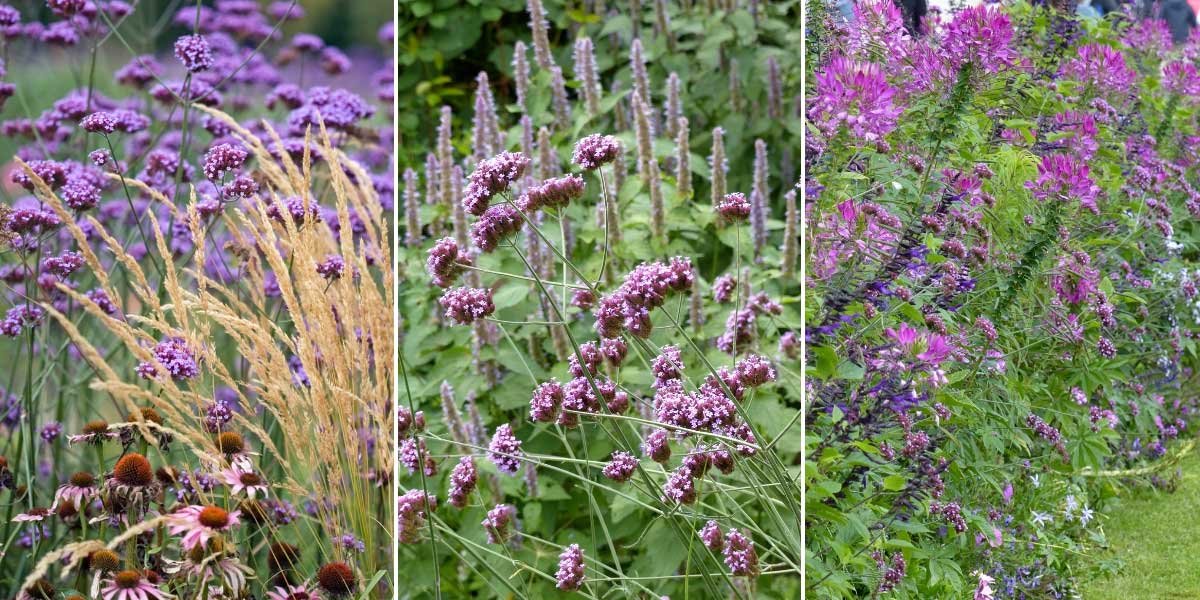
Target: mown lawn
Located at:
point(1157, 536)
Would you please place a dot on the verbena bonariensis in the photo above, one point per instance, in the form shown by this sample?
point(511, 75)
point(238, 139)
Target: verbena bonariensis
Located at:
point(197, 300)
point(563, 330)
point(1001, 292)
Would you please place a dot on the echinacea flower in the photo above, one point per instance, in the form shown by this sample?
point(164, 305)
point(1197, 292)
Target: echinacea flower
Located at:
point(337, 579)
point(199, 524)
point(292, 592)
point(78, 491)
point(132, 485)
point(131, 585)
point(220, 573)
point(33, 515)
point(244, 481)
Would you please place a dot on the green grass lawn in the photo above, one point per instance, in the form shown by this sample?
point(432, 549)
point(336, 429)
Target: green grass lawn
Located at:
point(1157, 536)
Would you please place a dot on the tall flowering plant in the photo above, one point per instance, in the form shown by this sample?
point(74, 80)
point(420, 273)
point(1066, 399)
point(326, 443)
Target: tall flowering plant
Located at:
point(1000, 294)
point(196, 304)
point(601, 346)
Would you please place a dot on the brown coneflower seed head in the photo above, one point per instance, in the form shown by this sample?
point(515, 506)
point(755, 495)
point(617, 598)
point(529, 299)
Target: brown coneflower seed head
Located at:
point(83, 479)
point(133, 469)
point(250, 479)
point(230, 442)
point(197, 554)
point(41, 590)
point(337, 578)
point(20, 490)
point(254, 511)
point(127, 579)
point(281, 556)
point(66, 510)
point(151, 576)
point(148, 414)
point(104, 560)
point(3, 463)
point(213, 517)
point(95, 428)
point(166, 475)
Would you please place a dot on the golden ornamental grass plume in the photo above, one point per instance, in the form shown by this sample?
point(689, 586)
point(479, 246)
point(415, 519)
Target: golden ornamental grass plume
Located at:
point(331, 438)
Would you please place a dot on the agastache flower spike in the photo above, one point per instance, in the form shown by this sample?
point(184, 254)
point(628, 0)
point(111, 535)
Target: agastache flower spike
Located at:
point(412, 225)
point(541, 39)
point(672, 110)
point(758, 199)
point(718, 164)
point(586, 72)
point(520, 64)
point(683, 169)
